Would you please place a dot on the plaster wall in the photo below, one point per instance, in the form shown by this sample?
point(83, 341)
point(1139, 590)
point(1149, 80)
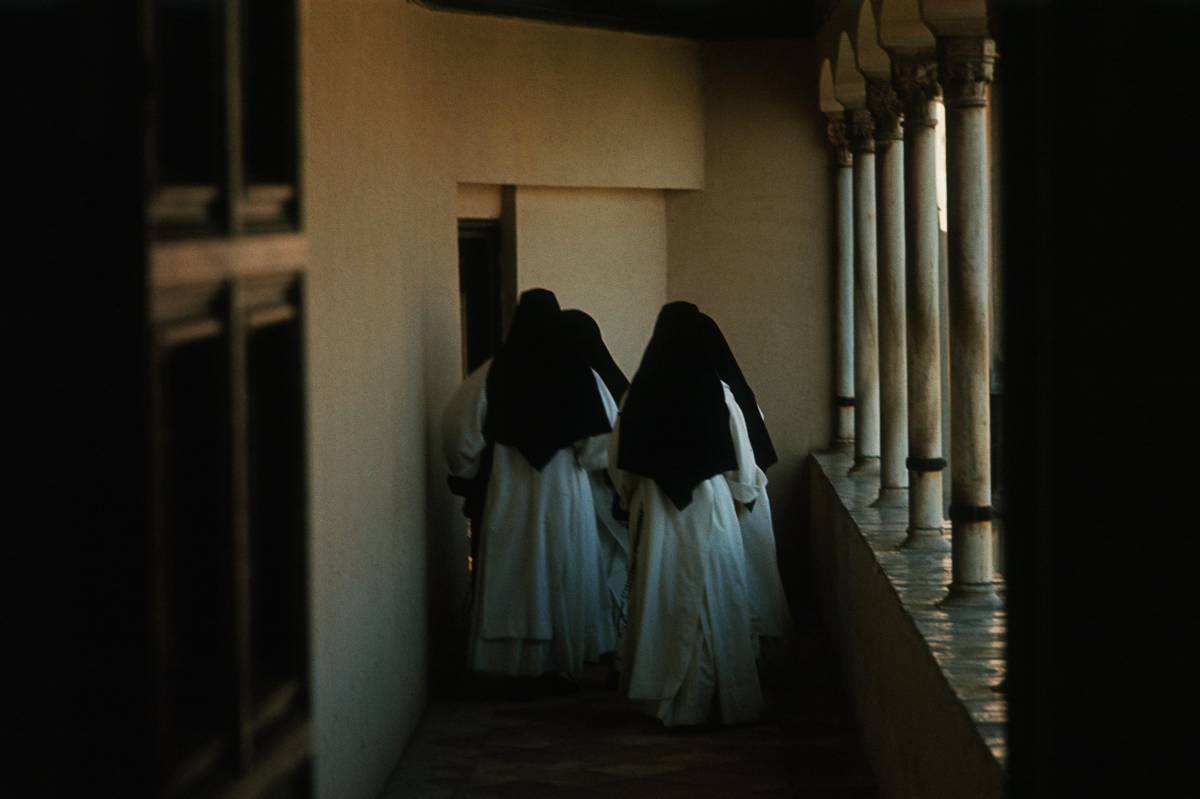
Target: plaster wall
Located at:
point(603, 251)
point(755, 251)
point(480, 201)
point(400, 105)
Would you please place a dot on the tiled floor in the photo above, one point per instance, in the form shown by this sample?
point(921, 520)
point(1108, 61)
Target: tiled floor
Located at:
point(592, 745)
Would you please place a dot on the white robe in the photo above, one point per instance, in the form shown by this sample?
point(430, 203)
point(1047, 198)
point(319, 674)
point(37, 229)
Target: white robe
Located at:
point(768, 603)
point(614, 547)
point(690, 634)
point(541, 599)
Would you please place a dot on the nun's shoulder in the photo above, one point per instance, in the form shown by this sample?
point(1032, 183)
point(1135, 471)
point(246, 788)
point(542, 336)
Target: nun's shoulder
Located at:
point(470, 392)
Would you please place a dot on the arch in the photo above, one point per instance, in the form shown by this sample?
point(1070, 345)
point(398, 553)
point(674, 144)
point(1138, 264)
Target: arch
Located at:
point(956, 17)
point(873, 62)
point(901, 29)
point(849, 85)
point(828, 95)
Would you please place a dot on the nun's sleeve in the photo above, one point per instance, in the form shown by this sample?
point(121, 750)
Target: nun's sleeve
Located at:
point(747, 482)
point(592, 453)
point(462, 425)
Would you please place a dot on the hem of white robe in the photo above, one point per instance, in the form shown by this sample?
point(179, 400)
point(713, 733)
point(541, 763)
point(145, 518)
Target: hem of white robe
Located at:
point(770, 615)
point(523, 657)
point(739, 701)
point(513, 657)
point(528, 657)
point(700, 695)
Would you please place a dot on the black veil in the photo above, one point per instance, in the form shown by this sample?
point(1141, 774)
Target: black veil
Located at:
point(729, 371)
point(586, 334)
point(675, 425)
point(540, 390)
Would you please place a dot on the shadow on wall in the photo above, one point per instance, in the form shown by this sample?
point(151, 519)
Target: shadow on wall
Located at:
point(445, 583)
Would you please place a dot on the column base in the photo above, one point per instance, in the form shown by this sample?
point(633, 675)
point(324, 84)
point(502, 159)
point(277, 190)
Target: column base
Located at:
point(843, 429)
point(926, 540)
point(891, 498)
point(864, 465)
point(842, 445)
point(972, 595)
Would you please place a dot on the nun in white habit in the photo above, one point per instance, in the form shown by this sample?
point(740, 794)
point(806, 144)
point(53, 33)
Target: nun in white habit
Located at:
point(538, 600)
point(612, 526)
point(682, 460)
point(768, 603)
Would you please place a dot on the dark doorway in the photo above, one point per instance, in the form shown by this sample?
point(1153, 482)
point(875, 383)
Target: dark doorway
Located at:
point(479, 281)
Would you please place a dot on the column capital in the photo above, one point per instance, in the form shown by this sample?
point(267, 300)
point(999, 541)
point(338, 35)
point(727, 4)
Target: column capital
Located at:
point(861, 128)
point(966, 67)
point(886, 109)
point(917, 86)
point(835, 129)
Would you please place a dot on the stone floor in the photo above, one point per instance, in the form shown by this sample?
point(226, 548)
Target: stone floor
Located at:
point(591, 744)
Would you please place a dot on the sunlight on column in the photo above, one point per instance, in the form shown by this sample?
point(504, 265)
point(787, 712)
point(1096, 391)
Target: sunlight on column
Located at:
point(940, 114)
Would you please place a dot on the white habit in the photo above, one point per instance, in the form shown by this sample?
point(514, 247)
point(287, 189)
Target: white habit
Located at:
point(768, 603)
point(690, 634)
point(541, 599)
point(614, 546)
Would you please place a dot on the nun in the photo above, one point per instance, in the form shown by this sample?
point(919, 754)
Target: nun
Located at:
point(768, 604)
point(611, 523)
point(682, 461)
point(546, 415)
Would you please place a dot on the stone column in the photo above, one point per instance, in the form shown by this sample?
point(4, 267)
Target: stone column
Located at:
point(886, 111)
point(843, 283)
point(965, 70)
point(917, 85)
point(866, 308)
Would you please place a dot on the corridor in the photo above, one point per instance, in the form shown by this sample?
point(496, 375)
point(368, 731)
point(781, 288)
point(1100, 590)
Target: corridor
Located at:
point(592, 745)
point(947, 240)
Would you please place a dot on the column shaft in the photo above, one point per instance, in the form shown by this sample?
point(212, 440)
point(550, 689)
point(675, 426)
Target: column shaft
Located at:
point(918, 86)
point(967, 64)
point(845, 304)
point(893, 387)
point(866, 301)
point(843, 284)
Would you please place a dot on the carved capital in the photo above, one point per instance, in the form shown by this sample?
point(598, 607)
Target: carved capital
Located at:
point(917, 86)
point(886, 108)
point(966, 69)
point(835, 129)
point(861, 127)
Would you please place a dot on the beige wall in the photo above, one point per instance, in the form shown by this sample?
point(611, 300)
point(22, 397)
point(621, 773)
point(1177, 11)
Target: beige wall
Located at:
point(601, 250)
point(480, 201)
point(400, 105)
point(537, 104)
point(754, 250)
